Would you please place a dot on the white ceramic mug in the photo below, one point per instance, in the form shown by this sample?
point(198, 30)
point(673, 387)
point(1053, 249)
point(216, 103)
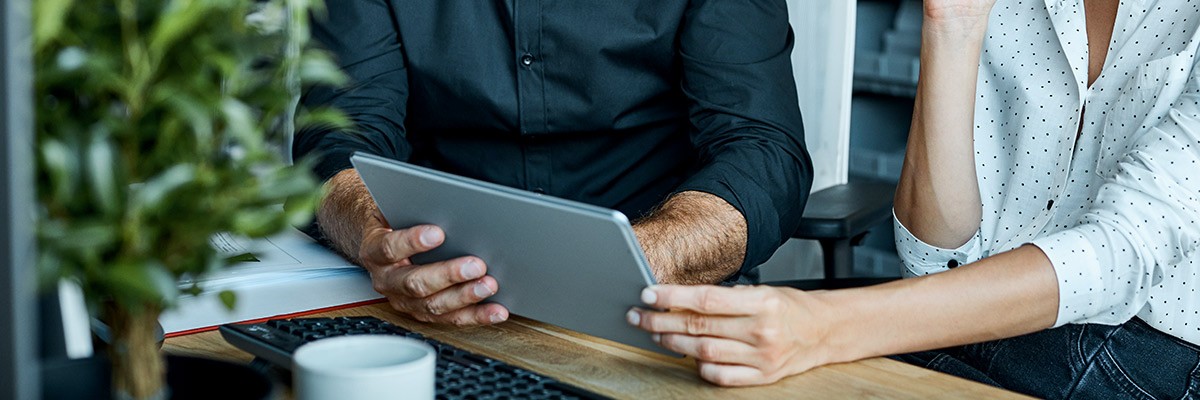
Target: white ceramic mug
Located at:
point(362, 367)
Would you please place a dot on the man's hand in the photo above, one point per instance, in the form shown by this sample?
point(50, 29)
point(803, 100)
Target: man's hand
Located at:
point(442, 292)
point(739, 336)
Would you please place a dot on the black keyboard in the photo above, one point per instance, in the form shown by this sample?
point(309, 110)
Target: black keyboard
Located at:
point(460, 374)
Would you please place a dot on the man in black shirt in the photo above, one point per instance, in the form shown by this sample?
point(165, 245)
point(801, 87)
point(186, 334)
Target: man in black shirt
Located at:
point(680, 113)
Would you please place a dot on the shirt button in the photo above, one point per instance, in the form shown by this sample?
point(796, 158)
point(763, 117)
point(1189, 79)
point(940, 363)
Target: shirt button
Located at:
point(952, 264)
point(1049, 204)
point(527, 60)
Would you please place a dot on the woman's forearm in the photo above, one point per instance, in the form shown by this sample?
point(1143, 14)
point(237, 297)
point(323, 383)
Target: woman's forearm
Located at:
point(937, 198)
point(1006, 295)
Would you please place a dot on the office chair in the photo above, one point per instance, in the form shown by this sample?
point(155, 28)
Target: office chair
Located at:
point(841, 213)
point(839, 217)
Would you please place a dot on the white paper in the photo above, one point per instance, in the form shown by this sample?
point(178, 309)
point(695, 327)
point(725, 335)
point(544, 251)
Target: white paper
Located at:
point(288, 255)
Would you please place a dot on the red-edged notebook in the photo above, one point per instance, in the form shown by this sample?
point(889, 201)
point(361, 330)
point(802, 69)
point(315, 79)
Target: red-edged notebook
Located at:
point(283, 276)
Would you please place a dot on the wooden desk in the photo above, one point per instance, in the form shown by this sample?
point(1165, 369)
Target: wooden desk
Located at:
point(621, 371)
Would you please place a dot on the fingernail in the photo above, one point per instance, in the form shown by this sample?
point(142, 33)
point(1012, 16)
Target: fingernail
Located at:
point(481, 290)
point(648, 296)
point(496, 318)
point(633, 317)
point(470, 270)
point(657, 338)
point(429, 237)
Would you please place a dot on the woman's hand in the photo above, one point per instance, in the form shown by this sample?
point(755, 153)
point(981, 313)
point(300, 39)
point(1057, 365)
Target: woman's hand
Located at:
point(740, 336)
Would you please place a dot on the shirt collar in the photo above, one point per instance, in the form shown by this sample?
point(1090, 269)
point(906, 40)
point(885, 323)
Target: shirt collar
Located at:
point(1071, 29)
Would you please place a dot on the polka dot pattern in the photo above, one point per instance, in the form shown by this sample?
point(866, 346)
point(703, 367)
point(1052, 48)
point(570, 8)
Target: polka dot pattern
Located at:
point(1104, 179)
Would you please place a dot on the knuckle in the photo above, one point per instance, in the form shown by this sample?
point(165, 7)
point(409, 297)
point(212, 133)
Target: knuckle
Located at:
point(379, 286)
point(766, 333)
point(649, 321)
point(415, 286)
point(397, 305)
point(708, 299)
point(772, 303)
point(432, 309)
point(708, 350)
point(667, 340)
point(385, 250)
point(696, 324)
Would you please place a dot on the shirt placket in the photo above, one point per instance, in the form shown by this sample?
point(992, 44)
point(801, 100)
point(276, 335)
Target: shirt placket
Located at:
point(1073, 41)
point(531, 94)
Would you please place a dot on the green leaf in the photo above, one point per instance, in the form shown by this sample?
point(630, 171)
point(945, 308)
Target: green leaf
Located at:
point(240, 120)
point(150, 194)
point(101, 167)
point(323, 117)
point(139, 282)
point(192, 110)
point(319, 69)
point(49, 16)
point(61, 165)
point(89, 236)
point(179, 19)
point(287, 183)
point(299, 210)
point(258, 222)
point(241, 258)
point(228, 298)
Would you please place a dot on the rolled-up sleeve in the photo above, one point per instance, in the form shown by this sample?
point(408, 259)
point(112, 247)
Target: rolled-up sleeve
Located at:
point(747, 130)
point(921, 258)
point(1144, 222)
point(362, 36)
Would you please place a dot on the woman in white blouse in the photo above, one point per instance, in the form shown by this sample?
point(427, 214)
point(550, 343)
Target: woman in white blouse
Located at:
point(1049, 211)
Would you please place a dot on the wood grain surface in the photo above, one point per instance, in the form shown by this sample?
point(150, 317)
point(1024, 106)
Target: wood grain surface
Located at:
point(622, 371)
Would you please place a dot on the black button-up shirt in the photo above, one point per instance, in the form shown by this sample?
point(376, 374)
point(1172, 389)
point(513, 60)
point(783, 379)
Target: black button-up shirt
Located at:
point(614, 103)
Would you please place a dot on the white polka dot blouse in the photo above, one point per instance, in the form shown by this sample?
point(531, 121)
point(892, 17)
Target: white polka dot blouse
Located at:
point(1115, 205)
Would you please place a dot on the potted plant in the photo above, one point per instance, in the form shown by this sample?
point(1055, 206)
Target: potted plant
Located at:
point(154, 125)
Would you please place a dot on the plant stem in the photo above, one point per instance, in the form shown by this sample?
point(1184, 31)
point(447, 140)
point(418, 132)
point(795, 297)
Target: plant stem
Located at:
point(138, 370)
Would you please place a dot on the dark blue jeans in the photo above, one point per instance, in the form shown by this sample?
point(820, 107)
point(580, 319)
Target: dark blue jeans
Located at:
point(1129, 361)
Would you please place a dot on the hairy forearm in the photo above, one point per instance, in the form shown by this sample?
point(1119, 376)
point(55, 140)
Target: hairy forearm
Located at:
point(345, 211)
point(937, 198)
point(693, 238)
point(1007, 295)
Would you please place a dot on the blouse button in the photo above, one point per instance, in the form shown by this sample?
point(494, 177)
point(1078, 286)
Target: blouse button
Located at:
point(952, 264)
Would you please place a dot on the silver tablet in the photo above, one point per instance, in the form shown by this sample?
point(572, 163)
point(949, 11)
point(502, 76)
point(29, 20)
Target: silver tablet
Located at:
point(558, 261)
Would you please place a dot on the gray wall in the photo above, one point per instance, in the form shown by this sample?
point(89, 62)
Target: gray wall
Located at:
point(18, 321)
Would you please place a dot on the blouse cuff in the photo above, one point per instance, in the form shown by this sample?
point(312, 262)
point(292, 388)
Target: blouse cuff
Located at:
point(922, 258)
point(1080, 281)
